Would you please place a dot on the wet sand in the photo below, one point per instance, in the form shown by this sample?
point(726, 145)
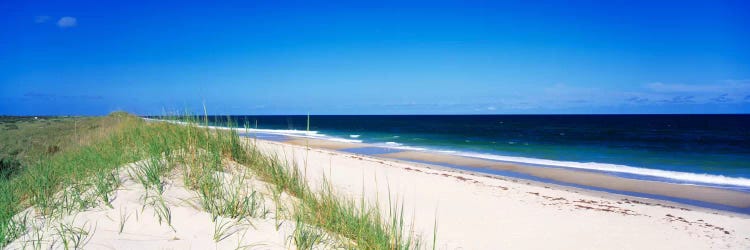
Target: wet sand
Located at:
point(725, 199)
point(473, 210)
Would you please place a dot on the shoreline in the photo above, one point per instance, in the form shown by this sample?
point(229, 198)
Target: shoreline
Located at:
point(709, 198)
point(697, 196)
point(580, 190)
point(714, 180)
point(474, 210)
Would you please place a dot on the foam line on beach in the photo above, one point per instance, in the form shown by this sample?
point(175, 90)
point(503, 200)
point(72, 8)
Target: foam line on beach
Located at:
point(512, 174)
point(285, 132)
point(371, 150)
point(630, 171)
point(680, 176)
point(396, 145)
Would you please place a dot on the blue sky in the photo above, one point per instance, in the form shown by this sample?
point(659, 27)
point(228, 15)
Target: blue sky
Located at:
point(428, 57)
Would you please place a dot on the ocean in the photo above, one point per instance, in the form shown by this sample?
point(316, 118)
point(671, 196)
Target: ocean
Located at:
point(710, 150)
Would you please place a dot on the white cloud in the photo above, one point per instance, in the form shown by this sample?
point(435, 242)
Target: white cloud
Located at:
point(728, 91)
point(67, 22)
point(563, 96)
point(728, 86)
point(41, 19)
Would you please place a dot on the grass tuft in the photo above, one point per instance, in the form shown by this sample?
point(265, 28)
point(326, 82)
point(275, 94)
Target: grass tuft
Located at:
point(78, 177)
point(74, 237)
point(123, 219)
point(306, 237)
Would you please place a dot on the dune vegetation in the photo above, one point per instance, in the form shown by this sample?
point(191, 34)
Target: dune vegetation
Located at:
point(66, 171)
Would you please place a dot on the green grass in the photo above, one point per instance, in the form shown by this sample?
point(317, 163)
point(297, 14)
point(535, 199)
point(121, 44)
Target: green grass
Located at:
point(230, 198)
point(306, 237)
point(222, 229)
point(26, 139)
point(81, 176)
point(124, 216)
point(54, 183)
point(105, 184)
point(149, 174)
point(74, 237)
point(162, 210)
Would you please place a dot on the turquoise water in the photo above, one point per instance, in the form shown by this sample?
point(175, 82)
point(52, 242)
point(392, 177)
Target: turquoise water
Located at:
point(703, 149)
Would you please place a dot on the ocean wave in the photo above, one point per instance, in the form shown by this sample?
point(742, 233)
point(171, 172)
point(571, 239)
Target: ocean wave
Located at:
point(396, 145)
point(281, 132)
point(353, 136)
point(606, 167)
point(294, 133)
point(614, 168)
point(341, 139)
point(290, 132)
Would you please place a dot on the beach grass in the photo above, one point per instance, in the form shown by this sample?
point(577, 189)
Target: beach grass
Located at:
point(27, 139)
point(73, 237)
point(83, 175)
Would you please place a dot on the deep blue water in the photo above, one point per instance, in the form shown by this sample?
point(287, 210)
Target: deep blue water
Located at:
point(704, 144)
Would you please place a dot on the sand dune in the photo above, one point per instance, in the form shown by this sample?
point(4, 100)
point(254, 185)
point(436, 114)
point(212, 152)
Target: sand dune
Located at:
point(458, 210)
point(136, 221)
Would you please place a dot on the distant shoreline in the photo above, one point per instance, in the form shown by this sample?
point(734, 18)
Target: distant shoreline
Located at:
point(476, 210)
point(705, 197)
point(686, 149)
point(699, 196)
point(465, 208)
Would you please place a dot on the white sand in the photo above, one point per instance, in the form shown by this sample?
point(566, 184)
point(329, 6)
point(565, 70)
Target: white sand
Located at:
point(472, 212)
point(480, 212)
point(192, 228)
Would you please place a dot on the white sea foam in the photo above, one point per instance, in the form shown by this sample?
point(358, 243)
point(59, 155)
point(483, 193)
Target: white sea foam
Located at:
point(615, 168)
point(341, 139)
point(396, 145)
point(681, 176)
point(353, 136)
point(283, 132)
point(447, 151)
point(289, 132)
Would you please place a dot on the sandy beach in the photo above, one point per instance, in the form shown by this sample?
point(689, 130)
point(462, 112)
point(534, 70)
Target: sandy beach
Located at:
point(375, 125)
point(476, 211)
point(455, 209)
point(136, 220)
point(690, 194)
